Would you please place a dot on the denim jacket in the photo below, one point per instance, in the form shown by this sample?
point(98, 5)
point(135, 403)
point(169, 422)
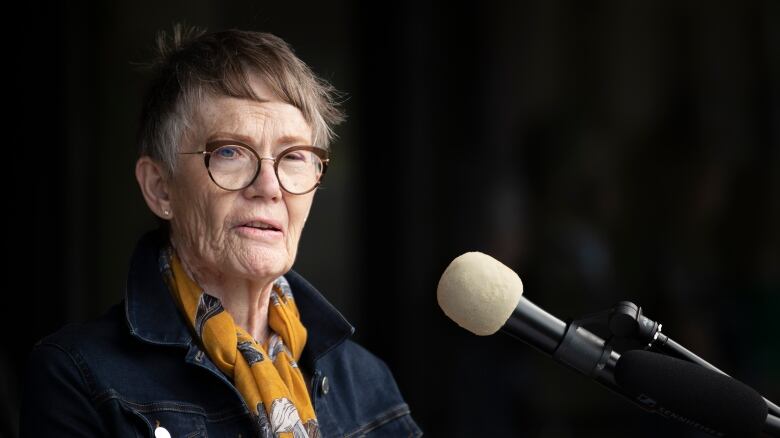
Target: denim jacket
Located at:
point(138, 368)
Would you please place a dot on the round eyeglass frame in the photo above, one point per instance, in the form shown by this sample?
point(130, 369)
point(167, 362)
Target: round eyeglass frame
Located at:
point(214, 145)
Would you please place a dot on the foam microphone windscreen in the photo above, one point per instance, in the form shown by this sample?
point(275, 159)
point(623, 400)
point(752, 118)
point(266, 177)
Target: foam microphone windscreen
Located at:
point(691, 393)
point(478, 292)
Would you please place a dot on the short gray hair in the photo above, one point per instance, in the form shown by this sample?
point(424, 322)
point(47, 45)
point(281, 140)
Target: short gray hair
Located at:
point(192, 65)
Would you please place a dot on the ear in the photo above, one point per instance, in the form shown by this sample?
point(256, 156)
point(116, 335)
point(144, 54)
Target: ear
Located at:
point(153, 180)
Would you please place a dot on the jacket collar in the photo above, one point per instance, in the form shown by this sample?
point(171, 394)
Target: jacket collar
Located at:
point(150, 308)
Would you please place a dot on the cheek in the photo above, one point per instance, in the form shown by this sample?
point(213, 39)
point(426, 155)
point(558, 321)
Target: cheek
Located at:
point(199, 222)
point(297, 210)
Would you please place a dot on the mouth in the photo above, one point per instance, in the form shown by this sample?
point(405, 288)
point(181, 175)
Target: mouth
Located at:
point(260, 228)
point(261, 225)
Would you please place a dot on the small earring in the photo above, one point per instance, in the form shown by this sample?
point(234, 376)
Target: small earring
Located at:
point(166, 212)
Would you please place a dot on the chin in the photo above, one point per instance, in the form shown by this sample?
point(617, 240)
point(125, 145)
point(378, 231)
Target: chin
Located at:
point(266, 265)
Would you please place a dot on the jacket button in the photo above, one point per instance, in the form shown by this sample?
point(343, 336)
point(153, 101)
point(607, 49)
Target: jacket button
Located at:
point(325, 385)
point(161, 432)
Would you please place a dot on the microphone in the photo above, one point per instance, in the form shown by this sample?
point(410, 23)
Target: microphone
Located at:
point(692, 394)
point(484, 296)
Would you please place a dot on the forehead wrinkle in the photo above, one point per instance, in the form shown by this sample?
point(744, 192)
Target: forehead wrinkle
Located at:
point(261, 122)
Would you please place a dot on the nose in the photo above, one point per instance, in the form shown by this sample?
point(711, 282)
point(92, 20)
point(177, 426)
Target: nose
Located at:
point(266, 184)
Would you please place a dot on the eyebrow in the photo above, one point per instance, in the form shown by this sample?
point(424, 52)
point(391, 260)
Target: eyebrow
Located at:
point(292, 139)
point(283, 140)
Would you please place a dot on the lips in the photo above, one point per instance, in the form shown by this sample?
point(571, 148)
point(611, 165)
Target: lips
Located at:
point(261, 223)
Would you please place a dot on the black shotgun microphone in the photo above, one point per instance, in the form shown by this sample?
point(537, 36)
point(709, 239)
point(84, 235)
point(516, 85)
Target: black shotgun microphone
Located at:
point(703, 398)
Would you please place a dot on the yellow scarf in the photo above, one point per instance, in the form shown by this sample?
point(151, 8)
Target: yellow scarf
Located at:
point(268, 376)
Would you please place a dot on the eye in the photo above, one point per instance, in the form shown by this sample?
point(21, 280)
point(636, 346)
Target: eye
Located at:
point(228, 152)
point(295, 156)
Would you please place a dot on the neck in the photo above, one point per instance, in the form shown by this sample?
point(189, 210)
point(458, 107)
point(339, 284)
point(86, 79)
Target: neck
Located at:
point(247, 304)
point(245, 300)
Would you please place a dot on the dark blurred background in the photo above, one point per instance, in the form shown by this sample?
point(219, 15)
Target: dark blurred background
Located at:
point(605, 150)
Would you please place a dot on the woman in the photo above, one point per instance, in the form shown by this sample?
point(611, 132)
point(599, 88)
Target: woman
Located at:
point(217, 335)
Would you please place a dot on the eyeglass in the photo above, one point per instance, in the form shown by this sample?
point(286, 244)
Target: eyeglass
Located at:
point(233, 165)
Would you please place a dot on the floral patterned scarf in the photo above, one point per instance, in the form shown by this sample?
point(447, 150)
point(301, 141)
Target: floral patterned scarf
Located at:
point(267, 376)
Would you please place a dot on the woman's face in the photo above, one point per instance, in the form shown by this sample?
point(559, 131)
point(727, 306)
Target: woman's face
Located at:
point(209, 224)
